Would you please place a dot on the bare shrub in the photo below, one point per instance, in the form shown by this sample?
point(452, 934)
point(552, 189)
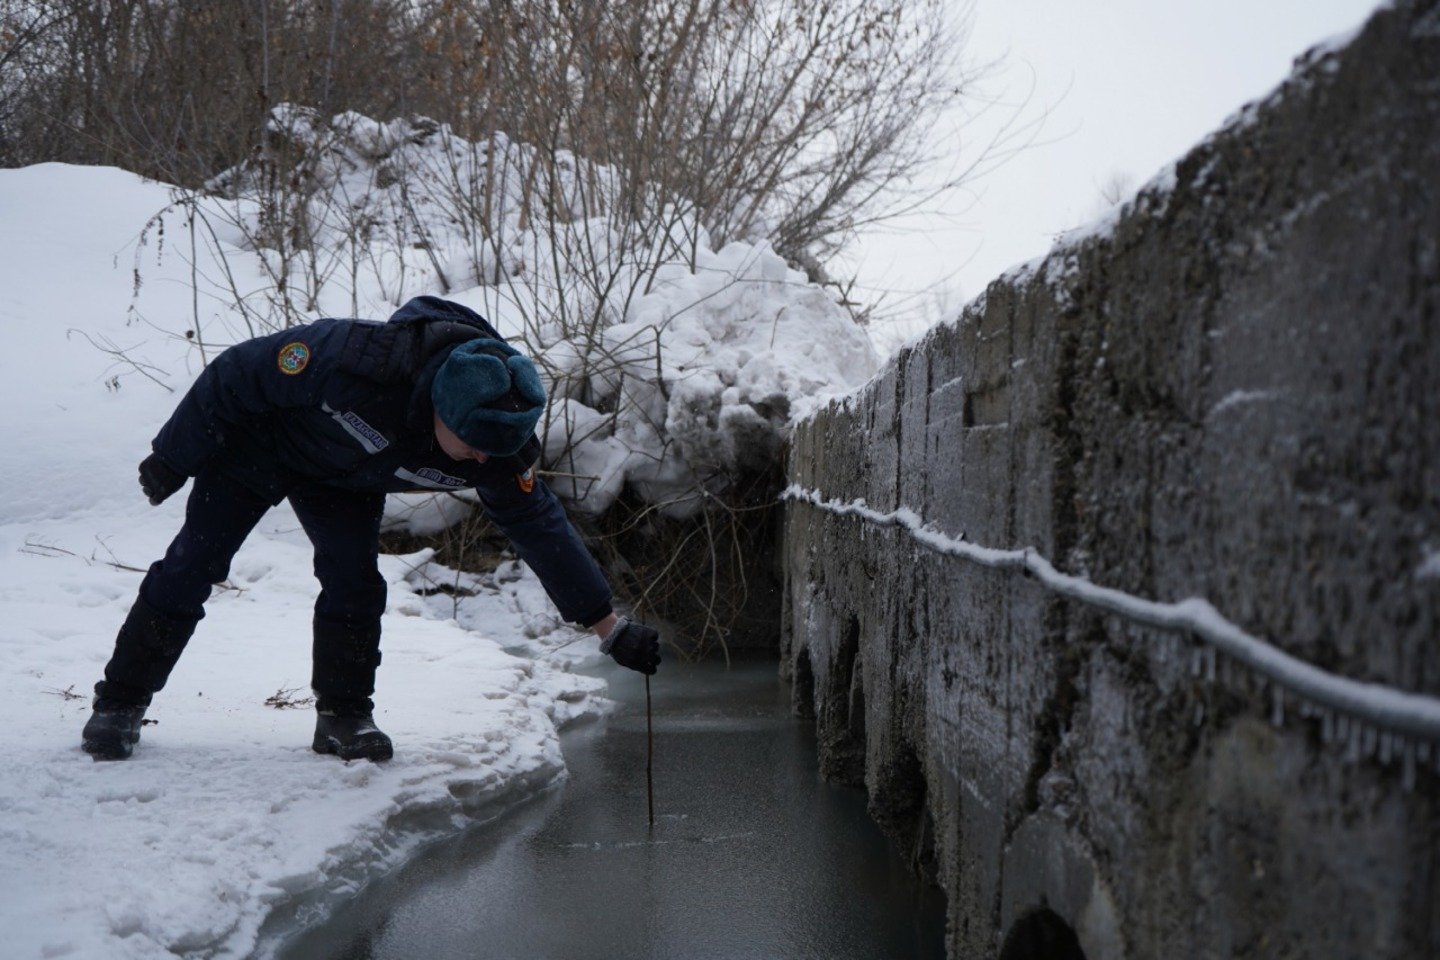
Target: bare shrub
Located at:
point(799, 120)
point(175, 90)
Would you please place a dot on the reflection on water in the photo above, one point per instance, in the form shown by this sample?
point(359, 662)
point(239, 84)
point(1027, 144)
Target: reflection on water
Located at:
point(751, 855)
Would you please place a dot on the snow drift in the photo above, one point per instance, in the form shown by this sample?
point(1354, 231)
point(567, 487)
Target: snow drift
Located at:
point(673, 367)
point(680, 370)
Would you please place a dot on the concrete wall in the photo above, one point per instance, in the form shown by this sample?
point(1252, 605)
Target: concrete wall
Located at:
point(1233, 394)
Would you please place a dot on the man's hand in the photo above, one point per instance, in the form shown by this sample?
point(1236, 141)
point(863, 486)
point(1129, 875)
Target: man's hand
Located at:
point(157, 480)
point(633, 645)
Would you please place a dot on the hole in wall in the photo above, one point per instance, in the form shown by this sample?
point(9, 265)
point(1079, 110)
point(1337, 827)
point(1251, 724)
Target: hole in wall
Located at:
point(1041, 935)
point(840, 709)
point(802, 687)
point(898, 802)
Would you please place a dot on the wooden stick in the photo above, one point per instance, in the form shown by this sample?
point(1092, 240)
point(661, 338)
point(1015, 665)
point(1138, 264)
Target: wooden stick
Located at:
point(649, 755)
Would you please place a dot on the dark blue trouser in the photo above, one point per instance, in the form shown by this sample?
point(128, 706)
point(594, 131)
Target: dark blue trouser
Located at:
point(343, 525)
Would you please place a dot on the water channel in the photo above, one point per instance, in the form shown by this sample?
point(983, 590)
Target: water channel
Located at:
point(752, 855)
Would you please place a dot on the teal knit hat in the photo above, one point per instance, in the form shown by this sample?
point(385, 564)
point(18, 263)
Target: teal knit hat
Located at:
point(489, 395)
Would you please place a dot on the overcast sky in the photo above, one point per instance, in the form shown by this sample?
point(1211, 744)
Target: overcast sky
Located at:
point(1129, 85)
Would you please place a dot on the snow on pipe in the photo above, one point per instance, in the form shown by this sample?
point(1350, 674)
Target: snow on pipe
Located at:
point(1408, 714)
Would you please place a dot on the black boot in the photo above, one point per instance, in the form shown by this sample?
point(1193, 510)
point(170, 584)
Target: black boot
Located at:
point(146, 648)
point(345, 658)
point(113, 728)
point(348, 730)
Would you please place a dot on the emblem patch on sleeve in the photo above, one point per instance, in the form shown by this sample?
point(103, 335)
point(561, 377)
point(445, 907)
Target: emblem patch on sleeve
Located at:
point(526, 481)
point(293, 358)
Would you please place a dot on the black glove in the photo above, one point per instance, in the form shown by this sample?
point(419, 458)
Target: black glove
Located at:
point(633, 645)
point(158, 480)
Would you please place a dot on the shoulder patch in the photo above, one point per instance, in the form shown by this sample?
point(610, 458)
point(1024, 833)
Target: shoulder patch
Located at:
point(293, 358)
point(526, 481)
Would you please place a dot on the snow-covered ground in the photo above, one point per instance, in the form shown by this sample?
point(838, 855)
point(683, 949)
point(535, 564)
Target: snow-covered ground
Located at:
point(224, 813)
point(692, 370)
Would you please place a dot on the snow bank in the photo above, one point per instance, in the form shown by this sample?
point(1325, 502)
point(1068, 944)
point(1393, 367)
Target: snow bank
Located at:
point(685, 367)
point(674, 367)
point(224, 814)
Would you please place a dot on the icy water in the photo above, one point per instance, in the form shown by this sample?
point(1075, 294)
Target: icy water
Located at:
point(752, 854)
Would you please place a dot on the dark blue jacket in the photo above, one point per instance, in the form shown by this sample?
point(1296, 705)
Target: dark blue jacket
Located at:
point(346, 403)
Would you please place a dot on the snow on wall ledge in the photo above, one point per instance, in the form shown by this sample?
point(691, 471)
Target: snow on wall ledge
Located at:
point(1392, 712)
point(1225, 393)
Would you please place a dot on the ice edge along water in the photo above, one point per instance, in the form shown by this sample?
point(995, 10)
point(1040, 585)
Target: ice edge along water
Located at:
point(1373, 719)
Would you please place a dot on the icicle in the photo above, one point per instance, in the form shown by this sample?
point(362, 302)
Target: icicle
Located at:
point(1369, 739)
point(1386, 742)
point(1195, 662)
point(1342, 727)
point(1408, 777)
point(1199, 714)
point(1327, 726)
point(1277, 706)
point(1352, 749)
point(1422, 751)
point(1210, 664)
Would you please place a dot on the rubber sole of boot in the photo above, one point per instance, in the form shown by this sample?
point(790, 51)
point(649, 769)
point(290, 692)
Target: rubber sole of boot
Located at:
point(373, 748)
point(110, 747)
